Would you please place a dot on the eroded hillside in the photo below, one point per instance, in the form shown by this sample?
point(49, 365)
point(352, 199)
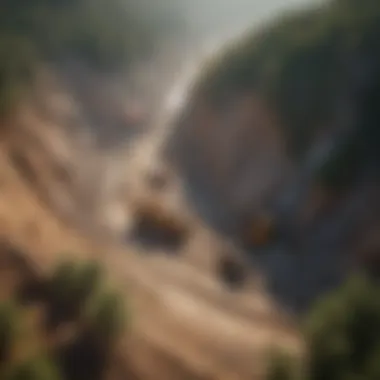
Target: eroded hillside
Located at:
point(186, 321)
point(209, 292)
point(60, 199)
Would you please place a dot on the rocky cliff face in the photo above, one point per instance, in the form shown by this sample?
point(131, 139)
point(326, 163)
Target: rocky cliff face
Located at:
point(277, 147)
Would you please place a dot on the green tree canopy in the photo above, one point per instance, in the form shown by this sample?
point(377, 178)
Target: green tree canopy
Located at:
point(303, 63)
point(342, 334)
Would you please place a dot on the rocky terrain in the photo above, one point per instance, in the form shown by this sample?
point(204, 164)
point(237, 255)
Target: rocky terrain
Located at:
point(64, 195)
point(277, 146)
point(209, 216)
point(186, 319)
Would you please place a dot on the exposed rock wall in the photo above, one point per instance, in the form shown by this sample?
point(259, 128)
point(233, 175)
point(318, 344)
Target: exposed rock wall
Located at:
point(232, 146)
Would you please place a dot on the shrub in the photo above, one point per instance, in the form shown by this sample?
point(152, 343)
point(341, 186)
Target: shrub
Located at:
point(107, 317)
point(373, 366)
point(281, 367)
point(343, 331)
point(88, 355)
point(89, 278)
point(32, 289)
point(86, 352)
point(71, 286)
point(9, 323)
point(75, 280)
point(39, 368)
point(342, 334)
point(63, 278)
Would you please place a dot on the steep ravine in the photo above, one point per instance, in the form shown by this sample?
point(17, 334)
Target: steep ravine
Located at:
point(57, 191)
point(255, 205)
point(306, 219)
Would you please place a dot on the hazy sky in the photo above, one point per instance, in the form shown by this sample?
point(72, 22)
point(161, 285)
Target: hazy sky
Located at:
point(210, 23)
point(212, 16)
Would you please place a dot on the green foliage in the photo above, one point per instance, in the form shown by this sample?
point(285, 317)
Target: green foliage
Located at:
point(281, 367)
point(89, 279)
point(108, 317)
point(9, 327)
point(303, 64)
point(76, 281)
point(63, 281)
point(343, 333)
point(39, 368)
point(71, 287)
point(76, 288)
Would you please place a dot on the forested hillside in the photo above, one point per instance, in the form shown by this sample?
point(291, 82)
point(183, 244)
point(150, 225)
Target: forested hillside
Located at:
point(285, 125)
point(303, 63)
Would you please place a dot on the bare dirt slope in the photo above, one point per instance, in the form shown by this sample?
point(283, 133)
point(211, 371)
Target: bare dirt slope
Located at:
point(184, 320)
